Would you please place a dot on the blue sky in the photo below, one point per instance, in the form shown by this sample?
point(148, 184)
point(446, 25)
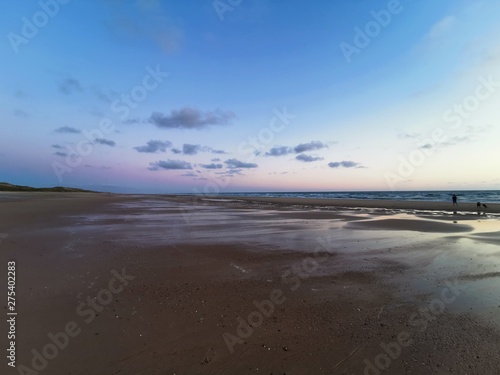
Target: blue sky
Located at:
point(214, 96)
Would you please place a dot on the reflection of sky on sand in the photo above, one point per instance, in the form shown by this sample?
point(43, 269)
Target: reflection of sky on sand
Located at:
point(472, 258)
point(160, 222)
point(480, 275)
point(417, 262)
point(475, 266)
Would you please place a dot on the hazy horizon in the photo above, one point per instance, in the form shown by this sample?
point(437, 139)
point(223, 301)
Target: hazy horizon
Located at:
point(195, 191)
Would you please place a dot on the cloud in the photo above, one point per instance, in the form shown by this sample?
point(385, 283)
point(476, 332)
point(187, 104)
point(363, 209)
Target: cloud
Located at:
point(455, 140)
point(69, 86)
point(104, 97)
point(105, 142)
point(436, 40)
point(189, 149)
point(451, 142)
point(218, 151)
point(191, 118)
point(314, 145)
point(279, 151)
point(154, 146)
point(20, 113)
point(408, 135)
point(169, 164)
point(101, 167)
point(307, 158)
point(232, 172)
point(491, 57)
point(442, 27)
point(132, 121)
point(215, 159)
point(150, 23)
point(59, 153)
point(426, 146)
point(67, 129)
point(176, 151)
point(212, 166)
point(189, 174)
point(58, 147)
point(303, 147)
point(235, 163)
point(345, 164)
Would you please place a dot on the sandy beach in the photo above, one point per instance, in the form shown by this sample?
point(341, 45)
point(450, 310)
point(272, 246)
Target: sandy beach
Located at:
point(151, 284)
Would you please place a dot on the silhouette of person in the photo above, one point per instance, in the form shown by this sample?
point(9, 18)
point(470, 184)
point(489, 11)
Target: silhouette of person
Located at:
point(454, 199)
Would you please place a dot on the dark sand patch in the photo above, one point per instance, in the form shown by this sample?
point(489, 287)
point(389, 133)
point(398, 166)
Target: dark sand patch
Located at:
point(480, 276)
point(411, 225)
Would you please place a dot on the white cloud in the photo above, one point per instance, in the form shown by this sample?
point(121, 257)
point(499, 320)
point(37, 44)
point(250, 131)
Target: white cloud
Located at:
point(442, 27)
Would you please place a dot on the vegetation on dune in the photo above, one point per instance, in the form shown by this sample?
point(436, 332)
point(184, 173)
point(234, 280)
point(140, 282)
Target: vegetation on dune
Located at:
point(4, 186)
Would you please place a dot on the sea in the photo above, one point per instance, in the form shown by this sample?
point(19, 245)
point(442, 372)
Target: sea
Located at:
point(469, 196)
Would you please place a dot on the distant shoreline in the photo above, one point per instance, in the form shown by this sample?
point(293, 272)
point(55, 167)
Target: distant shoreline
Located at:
point(442, 207)
point(322, 203)
point(464, 196)
point(240, 199)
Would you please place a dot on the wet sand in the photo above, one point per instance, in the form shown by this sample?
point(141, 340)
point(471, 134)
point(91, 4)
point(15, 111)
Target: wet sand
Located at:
point(462, 207)
point(246, 285)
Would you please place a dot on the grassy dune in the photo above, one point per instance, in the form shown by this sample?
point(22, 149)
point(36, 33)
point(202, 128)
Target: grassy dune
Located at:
point(4, 186)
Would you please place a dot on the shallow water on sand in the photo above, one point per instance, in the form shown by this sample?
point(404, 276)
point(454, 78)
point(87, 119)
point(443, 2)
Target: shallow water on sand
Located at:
point(428, 251)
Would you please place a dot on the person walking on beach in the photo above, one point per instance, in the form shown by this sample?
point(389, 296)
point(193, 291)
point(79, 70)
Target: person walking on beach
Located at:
point(454, 199)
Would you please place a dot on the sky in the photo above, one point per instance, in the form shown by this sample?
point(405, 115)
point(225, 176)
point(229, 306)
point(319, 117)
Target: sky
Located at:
point(213, 96)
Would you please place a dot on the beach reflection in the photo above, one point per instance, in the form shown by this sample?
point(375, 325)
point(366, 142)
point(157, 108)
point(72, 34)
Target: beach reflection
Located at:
point(416, 253)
